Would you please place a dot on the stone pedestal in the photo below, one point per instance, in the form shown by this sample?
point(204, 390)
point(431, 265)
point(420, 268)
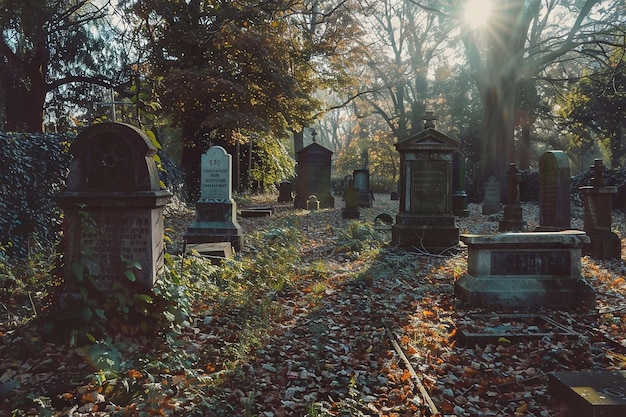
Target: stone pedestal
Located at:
point(425, 221)
point(525, 270)
point(216, 211)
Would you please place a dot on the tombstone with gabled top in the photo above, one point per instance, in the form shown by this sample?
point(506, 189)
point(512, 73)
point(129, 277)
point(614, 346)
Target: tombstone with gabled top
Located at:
point(425, 220)
point(314, 169)
point(216, 211)
point(113, 208)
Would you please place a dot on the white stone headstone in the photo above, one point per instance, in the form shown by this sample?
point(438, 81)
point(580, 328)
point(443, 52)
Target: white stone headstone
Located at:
point(215, 177)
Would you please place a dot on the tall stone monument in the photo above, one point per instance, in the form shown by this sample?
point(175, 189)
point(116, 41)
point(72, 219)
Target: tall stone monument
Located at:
point(554, 191)
point(314, 169)
point(425, 220)
point(113, 207)
point(597, 199)
point(216, 211)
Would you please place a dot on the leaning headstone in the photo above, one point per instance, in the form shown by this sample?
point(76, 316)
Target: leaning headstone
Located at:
point(459, 195)
point(113, 207)
point(216, 211)
point(597, 199)
point(554, 191)
point(362, 184)
point(491, 199)
point(512, 220)
point(314, 169)
point(425, 221)
point(525, 270)
point(351, 210)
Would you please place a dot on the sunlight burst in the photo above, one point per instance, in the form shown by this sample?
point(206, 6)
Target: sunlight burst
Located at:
point(477, 12)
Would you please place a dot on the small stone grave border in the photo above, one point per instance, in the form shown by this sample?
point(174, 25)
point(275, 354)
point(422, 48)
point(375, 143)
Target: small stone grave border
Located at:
point(518, 333)
point(257, 212)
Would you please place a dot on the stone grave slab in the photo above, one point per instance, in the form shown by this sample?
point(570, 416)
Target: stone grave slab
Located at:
point(482, 329)
point(590, 393)
point(257, 212)
point(525, 270)
point(216, 251)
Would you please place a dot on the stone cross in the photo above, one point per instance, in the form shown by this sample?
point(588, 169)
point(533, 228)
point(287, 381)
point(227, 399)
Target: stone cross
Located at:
point(112, 103)
point(429, 119)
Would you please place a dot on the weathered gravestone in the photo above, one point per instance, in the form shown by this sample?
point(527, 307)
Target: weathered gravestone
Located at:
point(595, 393)
point(113, 207)
point(351, 210)
point(512, 220)
point(216, 211)
point(425, 220)
point(284, 192)
point(314, 169)
point(491, 199)
point(554, 191)
point(525, 270)
point(597, 199)
point(362, 184)
point(459, 195)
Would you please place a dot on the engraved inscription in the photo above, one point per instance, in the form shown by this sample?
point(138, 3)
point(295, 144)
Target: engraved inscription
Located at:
point(530, 263)
point(429, 187)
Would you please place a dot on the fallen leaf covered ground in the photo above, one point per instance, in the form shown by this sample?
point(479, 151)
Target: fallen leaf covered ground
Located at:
point(372, 333)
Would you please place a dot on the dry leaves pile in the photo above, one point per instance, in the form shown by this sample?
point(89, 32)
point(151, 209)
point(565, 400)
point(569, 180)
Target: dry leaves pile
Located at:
point(371, 333)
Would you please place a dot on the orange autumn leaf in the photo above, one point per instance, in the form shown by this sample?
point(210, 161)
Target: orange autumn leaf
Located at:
point(405, 340)
point(405, 376)
point(429, 314)
point(133, 373)
point(411, 350)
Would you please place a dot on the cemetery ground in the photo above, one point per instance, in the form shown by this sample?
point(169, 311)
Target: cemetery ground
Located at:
point(317, 316)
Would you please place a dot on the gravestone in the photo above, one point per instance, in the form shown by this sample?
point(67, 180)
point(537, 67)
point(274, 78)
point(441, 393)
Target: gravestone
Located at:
point(113, 207)
point(597, 393)
point(459, 194)
point(597, 199)
point(284, 192)
point(491, 199)
point(351, 210)
point(525, 270)
point(554, 191)
point(362, 185)
point(425, 220)
point(512, 221)
point(216, 211)
point(314, 169)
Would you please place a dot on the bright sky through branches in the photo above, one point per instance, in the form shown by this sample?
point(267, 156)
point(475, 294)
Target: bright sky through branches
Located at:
point(477, 12)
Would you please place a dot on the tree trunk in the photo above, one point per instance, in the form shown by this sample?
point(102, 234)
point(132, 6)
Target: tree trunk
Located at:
point(23, 107)
point(191, 161)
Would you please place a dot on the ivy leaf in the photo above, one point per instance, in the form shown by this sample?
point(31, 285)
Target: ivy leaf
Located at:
point(130, 275)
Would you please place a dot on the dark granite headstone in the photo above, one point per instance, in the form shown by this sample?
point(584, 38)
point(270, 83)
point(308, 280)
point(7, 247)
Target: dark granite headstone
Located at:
point(597, 199)
point(113, 206)
point(491, 199)
point(512, 221)
point(284, 192)
point(554, 191)
point(216, 211)
point(314, 169)
point(425, 220)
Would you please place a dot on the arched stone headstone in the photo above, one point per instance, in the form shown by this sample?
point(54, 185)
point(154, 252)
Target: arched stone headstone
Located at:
point(554, 191)
point(113, 206)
